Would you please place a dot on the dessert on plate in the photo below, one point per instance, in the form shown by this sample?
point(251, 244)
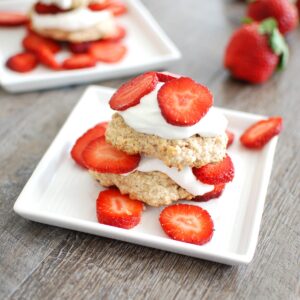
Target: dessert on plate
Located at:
point(73, 20)
point(165, 142)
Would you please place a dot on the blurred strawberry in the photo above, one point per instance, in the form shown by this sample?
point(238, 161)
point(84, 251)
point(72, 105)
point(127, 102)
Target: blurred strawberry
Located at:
point(255, 51)
point(283, 11)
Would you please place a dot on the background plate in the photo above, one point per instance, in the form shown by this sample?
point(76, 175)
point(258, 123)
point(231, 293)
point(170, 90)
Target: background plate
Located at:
point(148, 48)
point(61, 193)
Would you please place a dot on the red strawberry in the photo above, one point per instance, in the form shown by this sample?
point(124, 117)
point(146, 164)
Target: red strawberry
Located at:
point(183, 102)
point(216, 173)
point(79, 61)
point(33, 42)
point(99, 6)
point(255, 51)
point(215, 193)
point(166, 76)
point(11, 19)
point(283, 11)
point(22, 62)
point(85, 139)
point(260, 133)
point(82, 47)
point(131, 92)
point(46, 57)
point(187, 223)
point(44, 9)
point(118, 210)
point(230, 136)
point(102, 157)
point(117, 8)
point(108, 52)
point(117, 36)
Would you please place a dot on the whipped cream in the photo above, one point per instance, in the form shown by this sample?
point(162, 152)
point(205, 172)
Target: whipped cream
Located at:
point(184, 178)
point(77, 19)
point(63, 4)
point(146, 117)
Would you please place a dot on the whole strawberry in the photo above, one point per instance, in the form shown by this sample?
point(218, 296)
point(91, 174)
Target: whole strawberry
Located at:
point(255, 51)
point(283, 11)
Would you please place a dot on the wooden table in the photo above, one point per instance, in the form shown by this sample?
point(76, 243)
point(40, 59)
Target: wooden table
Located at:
point(43, 262)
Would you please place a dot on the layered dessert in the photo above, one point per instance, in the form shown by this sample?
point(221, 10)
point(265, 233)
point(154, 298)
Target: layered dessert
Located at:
point(166, 142)
point(73, 20)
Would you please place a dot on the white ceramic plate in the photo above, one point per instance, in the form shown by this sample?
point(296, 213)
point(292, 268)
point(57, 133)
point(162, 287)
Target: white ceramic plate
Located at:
point(148, 49)
point(62, 194)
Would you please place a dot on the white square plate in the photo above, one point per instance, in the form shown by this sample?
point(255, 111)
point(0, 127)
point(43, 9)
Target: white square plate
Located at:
point(62, 194)
point(148, 49)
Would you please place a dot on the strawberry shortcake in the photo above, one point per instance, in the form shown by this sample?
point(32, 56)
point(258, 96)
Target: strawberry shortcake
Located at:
point(74, 20)
point(164, 143)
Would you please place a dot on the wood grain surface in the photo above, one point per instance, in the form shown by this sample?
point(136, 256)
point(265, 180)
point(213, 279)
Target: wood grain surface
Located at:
point(43, 262)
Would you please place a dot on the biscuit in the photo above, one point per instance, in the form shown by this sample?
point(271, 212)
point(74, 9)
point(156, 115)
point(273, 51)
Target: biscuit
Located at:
point(195, 151)
point(153, 188)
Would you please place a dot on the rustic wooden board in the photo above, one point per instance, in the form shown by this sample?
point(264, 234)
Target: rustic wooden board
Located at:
point(43, 262)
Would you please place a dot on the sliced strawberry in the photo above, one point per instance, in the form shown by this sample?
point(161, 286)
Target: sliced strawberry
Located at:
point(117, 8)
point(187, 223)
point(131, 92)
point(22, 62)
point(102, 157)
point(79, 61)
point(99, 6)
point(85, 139)
point(108, 52)
point(82, 47)
point(183, 102)
point(118, 210)
point(215, 193)
point(44, 9)
point(216, 173)
point(33, 42)
point(47, 58)
point(230, 136)
point(11, 19)
point(166, 76)
point(260, 133)
point(119, 34)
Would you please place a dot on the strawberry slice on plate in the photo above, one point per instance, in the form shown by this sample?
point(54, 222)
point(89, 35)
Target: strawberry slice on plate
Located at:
point(11, 19)
point(102, 157)
point(79, 61)
point(90, 135)
point(22, 62)
point(215, 193)
point(119, 34)
point(108, 52)
point(47, 58)
point(216, 173)
point(117, 8)
point(183, 102)
point(187, 223)
point(33, 42)
point(131, 92)
point(260, 133)
point(118, 210)
point(230, 136)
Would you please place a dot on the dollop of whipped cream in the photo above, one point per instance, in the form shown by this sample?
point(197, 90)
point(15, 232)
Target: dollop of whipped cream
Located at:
point(146, 118)
point(184, 178)
point(77, 19)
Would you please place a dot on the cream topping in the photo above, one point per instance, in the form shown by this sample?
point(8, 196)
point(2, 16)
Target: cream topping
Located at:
point(146, 118)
